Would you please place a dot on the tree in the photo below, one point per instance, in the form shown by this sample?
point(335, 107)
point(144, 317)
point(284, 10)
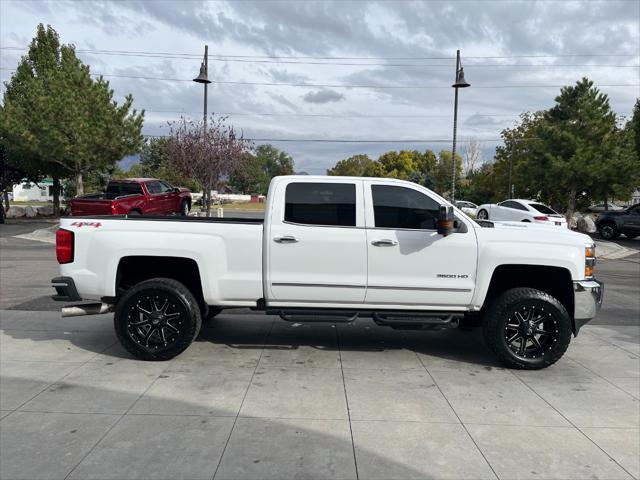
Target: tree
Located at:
point(354, 166)
point(575, 150)
point(634, 129)
point(155, 163)
point(206, 152)
point(258, 170)
point(9, 176)
point(471, 156)
point(442, 181)
point(56, 116)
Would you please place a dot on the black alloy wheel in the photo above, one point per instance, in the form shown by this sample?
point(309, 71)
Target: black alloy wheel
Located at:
point(157, 319)
point(527, 328)
point(531, 331)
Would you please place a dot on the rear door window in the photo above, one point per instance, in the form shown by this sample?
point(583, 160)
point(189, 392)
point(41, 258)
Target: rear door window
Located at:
point(331, 204)
point(400, 207)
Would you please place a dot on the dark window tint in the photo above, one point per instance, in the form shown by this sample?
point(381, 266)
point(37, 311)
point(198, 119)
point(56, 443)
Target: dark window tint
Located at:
point(635, 210)
point(154, 187)
point(116, 189)
point(399, 207)
point(321, 204)
point(543, 209)
point(515, 205)
point(165, 187)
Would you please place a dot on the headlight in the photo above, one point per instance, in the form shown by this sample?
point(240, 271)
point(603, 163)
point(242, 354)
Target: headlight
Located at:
point(589, 260)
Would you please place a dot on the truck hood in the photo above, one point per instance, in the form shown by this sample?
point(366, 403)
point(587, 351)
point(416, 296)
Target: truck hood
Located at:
point(524, 232)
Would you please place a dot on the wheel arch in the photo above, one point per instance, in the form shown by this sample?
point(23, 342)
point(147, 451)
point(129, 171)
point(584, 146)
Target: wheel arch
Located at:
point(556, 281)
point(137, 268)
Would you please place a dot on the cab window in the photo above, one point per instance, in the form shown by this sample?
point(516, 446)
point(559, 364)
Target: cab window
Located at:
point(400, 207)
point(321, 204)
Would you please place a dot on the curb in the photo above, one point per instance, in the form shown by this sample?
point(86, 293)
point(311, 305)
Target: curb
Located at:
point(612, 251)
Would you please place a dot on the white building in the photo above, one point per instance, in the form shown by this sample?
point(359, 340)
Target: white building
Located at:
point(30, 192)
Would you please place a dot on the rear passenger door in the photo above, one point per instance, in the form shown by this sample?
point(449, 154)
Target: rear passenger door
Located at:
point(316, 244)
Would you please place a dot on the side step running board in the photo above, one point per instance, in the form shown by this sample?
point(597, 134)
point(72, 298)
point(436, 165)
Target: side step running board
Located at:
point(312, 316)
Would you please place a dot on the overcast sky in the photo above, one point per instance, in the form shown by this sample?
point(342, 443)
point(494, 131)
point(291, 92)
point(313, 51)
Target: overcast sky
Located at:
point(395, 44)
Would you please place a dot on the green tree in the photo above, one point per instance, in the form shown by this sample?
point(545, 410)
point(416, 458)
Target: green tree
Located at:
point(56, 116)
point(442, 180)
point(633, 126)
point(258, 170)
point(354, 166)
point(571, 152)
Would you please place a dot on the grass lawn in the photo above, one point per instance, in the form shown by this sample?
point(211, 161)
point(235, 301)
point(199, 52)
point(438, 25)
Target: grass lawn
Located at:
point(258, 207)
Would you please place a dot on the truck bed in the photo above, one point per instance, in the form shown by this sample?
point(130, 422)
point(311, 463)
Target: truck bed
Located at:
point(164, 218)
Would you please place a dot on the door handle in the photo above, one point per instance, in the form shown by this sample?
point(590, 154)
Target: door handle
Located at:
point(285, 239)
point(385, 242)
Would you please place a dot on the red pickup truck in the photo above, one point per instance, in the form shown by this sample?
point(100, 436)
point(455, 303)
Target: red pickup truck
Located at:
point(134, 196)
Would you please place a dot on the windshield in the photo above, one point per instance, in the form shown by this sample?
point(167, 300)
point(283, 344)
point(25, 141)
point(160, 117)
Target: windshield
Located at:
point(543, 209)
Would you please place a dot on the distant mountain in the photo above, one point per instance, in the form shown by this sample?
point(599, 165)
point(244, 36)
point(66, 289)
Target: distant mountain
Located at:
point(126, 162)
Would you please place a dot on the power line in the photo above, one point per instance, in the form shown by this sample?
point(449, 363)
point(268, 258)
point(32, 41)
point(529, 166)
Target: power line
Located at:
point(330, 85)
point(328, 115)
point(277, 60)
point(358, 140)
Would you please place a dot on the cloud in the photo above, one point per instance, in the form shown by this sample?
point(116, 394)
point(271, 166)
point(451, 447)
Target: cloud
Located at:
point(323, 96)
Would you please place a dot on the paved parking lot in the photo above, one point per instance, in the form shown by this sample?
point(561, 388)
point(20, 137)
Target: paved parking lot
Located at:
point(256, 397)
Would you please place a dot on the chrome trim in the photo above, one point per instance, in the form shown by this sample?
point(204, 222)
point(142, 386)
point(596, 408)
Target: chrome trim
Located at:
point(426, 289)
point(588, 295)
point(316, 285)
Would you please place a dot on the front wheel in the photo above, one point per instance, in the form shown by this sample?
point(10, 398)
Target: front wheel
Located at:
point(483, 215)
point(527, 329)
point(184, 208)
point(157, 319)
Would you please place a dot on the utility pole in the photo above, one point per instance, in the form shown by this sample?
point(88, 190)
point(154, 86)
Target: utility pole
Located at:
point(460, 83)
point(203, 78)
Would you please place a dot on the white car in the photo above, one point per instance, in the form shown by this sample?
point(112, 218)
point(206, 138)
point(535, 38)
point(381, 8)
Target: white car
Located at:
point(333, 249)
point(603, 207)
point(469, 208)
point(519, 210)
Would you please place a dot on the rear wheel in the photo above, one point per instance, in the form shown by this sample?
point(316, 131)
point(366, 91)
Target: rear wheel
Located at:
point(608, 231)
point(527, 328)
point(157, 319)
point(483, 215)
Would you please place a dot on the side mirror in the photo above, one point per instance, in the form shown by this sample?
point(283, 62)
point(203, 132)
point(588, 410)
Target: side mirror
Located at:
point(176, 189)
point(445, 220)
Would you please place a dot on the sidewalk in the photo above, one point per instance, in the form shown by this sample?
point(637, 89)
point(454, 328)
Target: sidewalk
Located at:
point(256, 397)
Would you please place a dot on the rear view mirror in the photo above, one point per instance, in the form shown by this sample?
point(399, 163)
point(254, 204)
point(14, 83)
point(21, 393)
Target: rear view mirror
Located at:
point(445, 220)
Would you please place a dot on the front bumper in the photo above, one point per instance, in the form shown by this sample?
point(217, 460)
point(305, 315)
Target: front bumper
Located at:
point(587, 300)
point(66, 290)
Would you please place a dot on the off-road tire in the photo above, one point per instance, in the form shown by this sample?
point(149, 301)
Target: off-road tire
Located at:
point(188, 322)
point(504, 308)
point(608, 231)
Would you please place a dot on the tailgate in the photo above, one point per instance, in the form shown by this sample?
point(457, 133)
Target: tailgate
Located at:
point(85, 206)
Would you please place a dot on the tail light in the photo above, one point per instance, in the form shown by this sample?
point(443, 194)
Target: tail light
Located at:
point(542, 219)
point(64, 246)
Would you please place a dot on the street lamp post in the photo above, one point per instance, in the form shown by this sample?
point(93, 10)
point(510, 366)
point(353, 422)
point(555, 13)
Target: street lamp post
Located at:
point(460, 83)
point(204, 79)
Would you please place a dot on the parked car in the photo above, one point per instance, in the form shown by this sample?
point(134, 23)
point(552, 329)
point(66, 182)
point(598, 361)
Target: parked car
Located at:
point(605, 207)
point(333, 249)
point(469, 208)
point(134, 196)
point(613, 223)
point(518, 210)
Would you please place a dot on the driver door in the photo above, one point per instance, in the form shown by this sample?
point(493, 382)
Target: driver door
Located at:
point(409, 265)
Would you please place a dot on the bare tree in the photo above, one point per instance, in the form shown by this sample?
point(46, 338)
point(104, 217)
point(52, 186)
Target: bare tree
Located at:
point(206, 153)
point(471, 156)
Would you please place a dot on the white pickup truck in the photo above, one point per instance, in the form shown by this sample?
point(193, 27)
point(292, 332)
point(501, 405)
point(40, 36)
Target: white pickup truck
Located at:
point(333, 249)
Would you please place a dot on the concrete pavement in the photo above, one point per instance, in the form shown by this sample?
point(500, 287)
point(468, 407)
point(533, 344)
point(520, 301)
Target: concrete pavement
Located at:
point(256, 397)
